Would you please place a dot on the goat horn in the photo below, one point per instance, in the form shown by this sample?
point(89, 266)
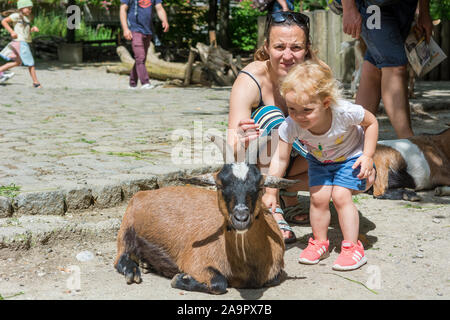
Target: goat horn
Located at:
point(202, 180)
point(279, 183)
point(252, 150)
point(225, 148)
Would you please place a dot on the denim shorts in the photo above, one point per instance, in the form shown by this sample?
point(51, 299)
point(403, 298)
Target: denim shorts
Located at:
point(335, 174)
point(385, 46)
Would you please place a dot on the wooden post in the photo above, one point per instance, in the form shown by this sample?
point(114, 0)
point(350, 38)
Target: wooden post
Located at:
point(321, 33)
point(71, 32)
point(334, 43)
point(188, 72)
point(261, 29)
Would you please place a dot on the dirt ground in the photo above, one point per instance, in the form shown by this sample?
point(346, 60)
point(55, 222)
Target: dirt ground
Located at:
point(406, 245)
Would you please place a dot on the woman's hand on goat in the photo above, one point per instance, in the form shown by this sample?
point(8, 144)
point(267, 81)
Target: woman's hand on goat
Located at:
point(247, 131)
point(269, 199)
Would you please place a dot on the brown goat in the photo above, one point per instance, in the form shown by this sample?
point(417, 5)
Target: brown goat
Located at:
point(419, 163)
point(205, 240)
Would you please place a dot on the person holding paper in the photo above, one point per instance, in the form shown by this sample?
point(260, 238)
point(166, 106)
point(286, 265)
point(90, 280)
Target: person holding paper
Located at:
point(384, 73)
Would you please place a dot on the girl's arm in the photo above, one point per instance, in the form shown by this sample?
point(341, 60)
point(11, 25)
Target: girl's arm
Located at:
point(5, 24)
point(370, 125)
point(278, 166)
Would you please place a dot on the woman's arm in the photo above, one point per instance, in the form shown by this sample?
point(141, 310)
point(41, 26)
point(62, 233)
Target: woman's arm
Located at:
point(241, 128)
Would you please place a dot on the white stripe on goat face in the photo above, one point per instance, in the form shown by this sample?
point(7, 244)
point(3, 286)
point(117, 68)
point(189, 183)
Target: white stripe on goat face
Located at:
point(240, 170)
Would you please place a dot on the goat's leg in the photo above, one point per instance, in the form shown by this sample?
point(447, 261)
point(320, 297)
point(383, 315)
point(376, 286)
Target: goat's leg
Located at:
point(275, 281)
point(129, 268)
point(183, 281)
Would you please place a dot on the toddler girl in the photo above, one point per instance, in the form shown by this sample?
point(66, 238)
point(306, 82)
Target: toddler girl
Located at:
point(341, 139)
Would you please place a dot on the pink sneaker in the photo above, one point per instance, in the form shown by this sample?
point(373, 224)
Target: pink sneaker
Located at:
point(314, 252)
point(351, 256)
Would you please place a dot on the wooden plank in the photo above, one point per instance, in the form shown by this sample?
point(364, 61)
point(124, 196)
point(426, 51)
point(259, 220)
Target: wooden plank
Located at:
point(334, 43)
point(321, 34)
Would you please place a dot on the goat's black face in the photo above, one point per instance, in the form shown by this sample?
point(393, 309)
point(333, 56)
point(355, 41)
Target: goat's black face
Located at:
point(240, 187)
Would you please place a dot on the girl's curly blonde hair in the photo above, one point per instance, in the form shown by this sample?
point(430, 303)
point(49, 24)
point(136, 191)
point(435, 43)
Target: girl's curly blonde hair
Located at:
point(311, 80)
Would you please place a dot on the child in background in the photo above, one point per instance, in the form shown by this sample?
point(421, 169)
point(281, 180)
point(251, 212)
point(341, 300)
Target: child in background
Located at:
point(136, 21)
point(341, 139)
point(18, 51)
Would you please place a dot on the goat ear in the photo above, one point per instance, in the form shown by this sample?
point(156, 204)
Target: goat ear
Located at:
point(208, 179)
point(279, 183)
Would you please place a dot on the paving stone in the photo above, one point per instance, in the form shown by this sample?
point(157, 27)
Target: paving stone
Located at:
point(6, 209)
point(42, 203)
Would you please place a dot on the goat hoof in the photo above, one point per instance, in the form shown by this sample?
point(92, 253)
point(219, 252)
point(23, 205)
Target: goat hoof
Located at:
point(133, 276)
point(184, 281)
point(129, 269)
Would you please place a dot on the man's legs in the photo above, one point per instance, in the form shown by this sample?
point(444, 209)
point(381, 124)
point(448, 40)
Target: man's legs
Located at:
point(394, 91)
point(368, 94)
point(140, 44)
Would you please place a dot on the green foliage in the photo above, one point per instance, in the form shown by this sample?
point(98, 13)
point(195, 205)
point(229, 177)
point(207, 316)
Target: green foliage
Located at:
point(53, 24)
point(244, 26)
point(188, 24)
point(440, 9)
point(10, 191)
point(310, 5)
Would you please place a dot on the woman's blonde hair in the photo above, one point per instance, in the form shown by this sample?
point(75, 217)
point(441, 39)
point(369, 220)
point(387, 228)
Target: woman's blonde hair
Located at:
point(311, 80)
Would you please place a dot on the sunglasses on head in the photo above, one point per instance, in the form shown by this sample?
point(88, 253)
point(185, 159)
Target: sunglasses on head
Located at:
point(282, 16)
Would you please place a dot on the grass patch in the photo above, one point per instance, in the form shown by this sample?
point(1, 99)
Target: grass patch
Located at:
point(87, 141)
point(10, 191)
point(355, 281)
point(14, 295)
point(138, 155)
point(414, 206)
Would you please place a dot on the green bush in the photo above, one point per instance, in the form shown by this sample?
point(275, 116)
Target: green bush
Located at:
point(53, 24)
point(244, 26)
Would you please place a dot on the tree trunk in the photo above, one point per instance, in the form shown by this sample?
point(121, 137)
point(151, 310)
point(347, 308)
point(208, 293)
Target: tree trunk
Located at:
point(71, 31)
point(158, 68)
point(212, 15)
point(224, 14)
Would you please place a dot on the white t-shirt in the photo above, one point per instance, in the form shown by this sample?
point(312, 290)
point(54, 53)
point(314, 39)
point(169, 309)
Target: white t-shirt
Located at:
point(22, 27)
point(344, 139)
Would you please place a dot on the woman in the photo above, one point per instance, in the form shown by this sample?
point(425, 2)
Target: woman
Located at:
point(256, 104)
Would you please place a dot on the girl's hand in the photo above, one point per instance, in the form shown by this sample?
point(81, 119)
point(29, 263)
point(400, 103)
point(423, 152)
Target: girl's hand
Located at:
point(366, 164)
point(13, 35)
point(247, 131)
point(35, 29)
point(269, 199)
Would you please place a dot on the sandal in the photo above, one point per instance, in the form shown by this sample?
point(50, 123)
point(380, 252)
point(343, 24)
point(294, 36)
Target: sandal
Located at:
point(283, 225)
point(292, 211)
point(37, 85)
